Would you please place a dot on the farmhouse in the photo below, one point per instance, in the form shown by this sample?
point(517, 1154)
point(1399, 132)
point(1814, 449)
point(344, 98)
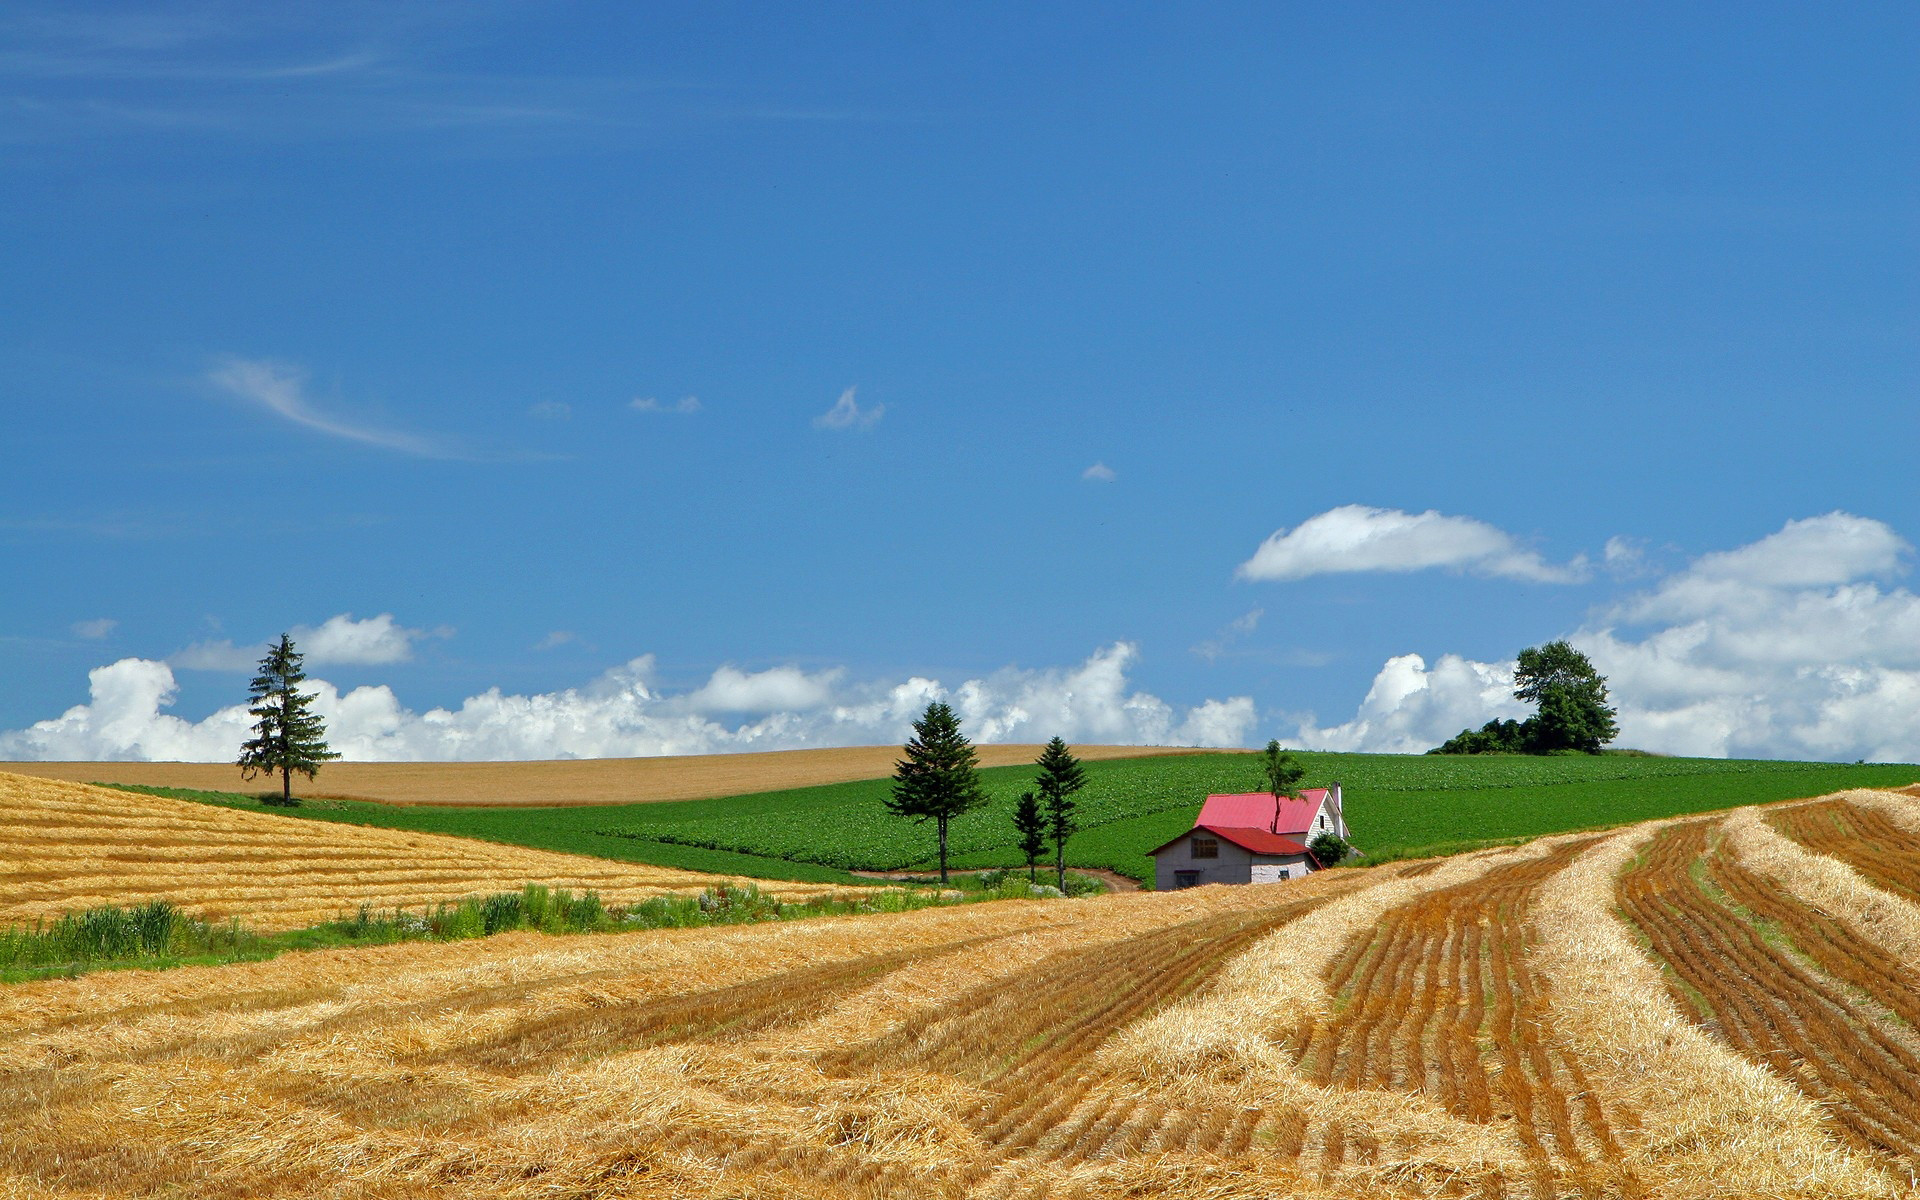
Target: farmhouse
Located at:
point(1250, 837)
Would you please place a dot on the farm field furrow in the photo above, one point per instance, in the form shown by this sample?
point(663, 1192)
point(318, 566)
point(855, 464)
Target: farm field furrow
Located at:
point(1406, 1030)
point(1774, 1006)
point(66, 846)
point(1440, 998)
point(1865, 840)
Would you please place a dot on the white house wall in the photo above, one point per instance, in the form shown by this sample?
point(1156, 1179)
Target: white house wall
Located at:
point(1235, 864)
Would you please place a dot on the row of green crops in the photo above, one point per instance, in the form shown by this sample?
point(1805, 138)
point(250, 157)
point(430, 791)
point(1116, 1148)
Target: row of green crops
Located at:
point(1396, 805)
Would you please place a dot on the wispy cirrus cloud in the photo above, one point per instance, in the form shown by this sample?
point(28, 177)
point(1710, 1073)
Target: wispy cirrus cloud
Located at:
point(1356, 538)
point(1215, 647)
point(846, 414)
point(281, 389)
point(286, 73)
point(1099, 473)
point(685, 405)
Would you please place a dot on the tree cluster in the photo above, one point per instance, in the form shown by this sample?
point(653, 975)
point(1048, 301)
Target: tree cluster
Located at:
point(1573, 716)
point(936, 779)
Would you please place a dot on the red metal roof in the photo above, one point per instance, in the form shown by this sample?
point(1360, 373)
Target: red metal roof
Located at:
point(1260, 841)
point(1258, 810)
point(1257, 840)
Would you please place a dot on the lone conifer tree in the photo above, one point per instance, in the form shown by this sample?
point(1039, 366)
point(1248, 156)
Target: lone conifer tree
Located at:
point(1031, 825)
point(1061, 775)
point(936, 779)
point(288, 736)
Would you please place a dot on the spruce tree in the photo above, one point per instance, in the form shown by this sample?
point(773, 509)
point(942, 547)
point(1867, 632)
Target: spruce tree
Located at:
point(936, 779)
point(1031, 825)
point(1061, 775)
point(288, 736)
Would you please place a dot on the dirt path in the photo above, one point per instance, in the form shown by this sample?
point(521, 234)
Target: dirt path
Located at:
point(1115, 881)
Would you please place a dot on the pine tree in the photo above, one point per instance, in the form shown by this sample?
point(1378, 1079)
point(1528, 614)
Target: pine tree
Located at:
point(1031, 825)
point(288, 735)
point(937, 777)
point(1061, 775)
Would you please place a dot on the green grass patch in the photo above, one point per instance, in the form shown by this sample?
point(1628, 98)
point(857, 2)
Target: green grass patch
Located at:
point(157, 935)
point(1397, 805)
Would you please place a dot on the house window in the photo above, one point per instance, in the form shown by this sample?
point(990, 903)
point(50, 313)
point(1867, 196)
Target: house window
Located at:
point(1323, 820)
point(1186, 879)
point(1206, 848)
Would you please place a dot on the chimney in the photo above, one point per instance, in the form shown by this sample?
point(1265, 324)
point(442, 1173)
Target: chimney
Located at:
point(1339, 817)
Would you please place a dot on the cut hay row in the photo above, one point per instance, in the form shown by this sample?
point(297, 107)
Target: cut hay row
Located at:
point(1772, 1006)
point(1422, 993)
point(1485, 1026)
point(1827, 884)
point(1862, 836)
point(476, 1062)
point(1711, 1123)
point(65, 847)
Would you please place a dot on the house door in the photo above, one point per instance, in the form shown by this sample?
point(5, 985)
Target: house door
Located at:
point(1186, 879)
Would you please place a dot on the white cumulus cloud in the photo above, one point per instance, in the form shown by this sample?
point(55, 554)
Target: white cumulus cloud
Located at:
point(1787, 647)
point(1355, 537)
point(340, 640)
point(624, 713)
point(1410, 708)
point(731, 690)
point(846, 413)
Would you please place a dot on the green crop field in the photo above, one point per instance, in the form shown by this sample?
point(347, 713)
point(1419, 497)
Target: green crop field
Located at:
point(1397, 806)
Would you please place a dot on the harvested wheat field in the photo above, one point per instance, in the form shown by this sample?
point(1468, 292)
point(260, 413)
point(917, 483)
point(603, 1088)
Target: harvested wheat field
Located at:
point(67, 846)
point(563, 782)
point(1720, 1006)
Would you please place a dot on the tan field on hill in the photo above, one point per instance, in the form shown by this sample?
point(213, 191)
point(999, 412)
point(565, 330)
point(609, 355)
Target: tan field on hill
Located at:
point(1711, 1006)
point(566, 781)
point(66, 846)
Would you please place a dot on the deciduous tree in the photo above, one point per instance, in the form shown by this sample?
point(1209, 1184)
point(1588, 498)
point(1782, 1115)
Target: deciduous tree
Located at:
point(1573, 716)
point(1283, 773)
point(1328, 848)
point(288, 735)
point(937, 779)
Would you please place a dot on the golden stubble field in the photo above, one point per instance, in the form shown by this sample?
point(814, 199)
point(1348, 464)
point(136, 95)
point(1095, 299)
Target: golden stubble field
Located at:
point(68, 846)
point(560, 782)
point(1710, 1006)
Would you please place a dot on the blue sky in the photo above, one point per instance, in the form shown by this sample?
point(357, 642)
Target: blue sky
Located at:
point(510, 339)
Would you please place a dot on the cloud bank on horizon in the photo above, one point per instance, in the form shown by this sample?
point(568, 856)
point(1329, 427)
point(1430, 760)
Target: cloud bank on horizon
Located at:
point(1788, 647)
point(624, 714)
point(1797, 645)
